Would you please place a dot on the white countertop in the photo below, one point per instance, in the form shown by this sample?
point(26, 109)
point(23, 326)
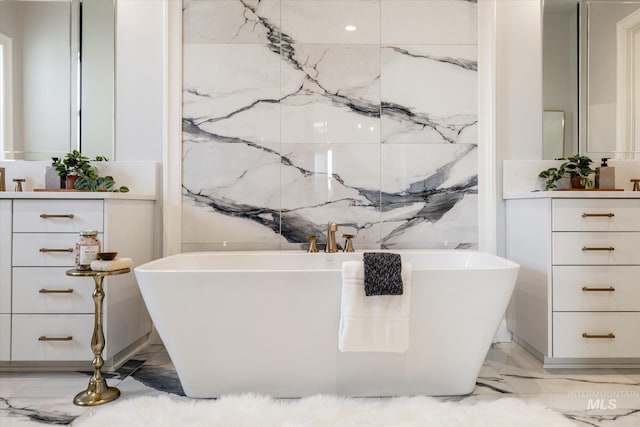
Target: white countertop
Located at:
point(142, 178)
point(74, 195)
point(574, 194)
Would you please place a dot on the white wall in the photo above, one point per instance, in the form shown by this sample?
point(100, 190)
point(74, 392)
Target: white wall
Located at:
point(518, 114)
point(519, 79)
point(139, 80)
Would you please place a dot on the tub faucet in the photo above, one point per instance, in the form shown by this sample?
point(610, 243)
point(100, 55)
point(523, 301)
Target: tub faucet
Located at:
point(348, 244)
point(331, 238)
point(18, 183)
point(312, 243)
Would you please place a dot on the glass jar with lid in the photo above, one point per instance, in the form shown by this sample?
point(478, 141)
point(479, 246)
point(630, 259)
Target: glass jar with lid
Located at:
point(87, 249)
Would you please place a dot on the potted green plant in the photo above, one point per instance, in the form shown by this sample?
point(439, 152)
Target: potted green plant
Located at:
point(577, 167)
point(80, 174)
point(90, 180)
point(70, 166)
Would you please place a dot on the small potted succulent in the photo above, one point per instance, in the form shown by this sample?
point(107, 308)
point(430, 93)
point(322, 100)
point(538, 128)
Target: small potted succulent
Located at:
point(79, 174)
point(577, 167)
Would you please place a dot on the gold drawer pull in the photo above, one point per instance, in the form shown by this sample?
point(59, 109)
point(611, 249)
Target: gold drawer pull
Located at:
point(45, 216)
point(609, 335)
point(56, 250)
point(608, 215)
point(43, 338)
point(609, 289)
point(56, 291)
point(610, 248)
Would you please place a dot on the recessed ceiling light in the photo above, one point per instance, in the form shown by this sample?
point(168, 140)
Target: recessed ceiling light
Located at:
point(350, 28)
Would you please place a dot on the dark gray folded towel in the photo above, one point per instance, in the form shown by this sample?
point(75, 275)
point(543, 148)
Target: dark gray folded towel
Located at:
point(382, 274)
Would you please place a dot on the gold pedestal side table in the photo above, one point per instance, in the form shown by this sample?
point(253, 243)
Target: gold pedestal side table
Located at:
point(97, 391)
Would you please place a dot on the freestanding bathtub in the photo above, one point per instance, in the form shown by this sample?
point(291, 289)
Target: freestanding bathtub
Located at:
point(267, 322)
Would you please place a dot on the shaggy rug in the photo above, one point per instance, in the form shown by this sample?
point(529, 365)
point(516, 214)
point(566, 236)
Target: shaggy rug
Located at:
point(256, 410)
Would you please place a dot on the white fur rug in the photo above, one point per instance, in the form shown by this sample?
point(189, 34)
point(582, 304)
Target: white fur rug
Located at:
point(255, 410)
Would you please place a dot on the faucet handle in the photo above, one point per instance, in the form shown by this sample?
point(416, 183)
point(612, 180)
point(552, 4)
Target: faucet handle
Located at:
point(312, 242)
point(18, 181)
point(348, 244)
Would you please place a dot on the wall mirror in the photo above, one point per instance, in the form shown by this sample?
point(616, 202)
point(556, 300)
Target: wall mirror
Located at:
point(553, 134)
point(560, 78)
point(610, 70)
point(56, 78)
point(591, 72)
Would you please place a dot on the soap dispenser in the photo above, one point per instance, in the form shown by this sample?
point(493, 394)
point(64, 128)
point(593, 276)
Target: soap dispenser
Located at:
point(605, 176)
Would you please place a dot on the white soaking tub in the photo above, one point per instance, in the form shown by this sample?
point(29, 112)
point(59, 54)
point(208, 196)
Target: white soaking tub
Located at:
point(267, 322)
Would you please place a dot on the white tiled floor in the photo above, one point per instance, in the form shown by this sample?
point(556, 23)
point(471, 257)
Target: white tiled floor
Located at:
point(607, 397)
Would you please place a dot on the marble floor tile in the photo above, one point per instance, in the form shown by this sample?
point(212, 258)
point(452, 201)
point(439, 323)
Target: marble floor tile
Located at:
point(526, 375)
point(491, 382)
point(591, 412)
point(588, 384)
point(601, 398)
point(37, 411)
point(41, 386)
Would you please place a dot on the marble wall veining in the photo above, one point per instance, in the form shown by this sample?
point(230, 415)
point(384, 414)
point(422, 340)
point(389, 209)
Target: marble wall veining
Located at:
point(290, 121)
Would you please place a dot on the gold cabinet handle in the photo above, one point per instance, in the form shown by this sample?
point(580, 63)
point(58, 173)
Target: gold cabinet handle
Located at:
point(609, 335)
point(55, 291)
point(608, 215)
point(45, 216)
point(56, 250)
point(610, 248)
point(43, 338)
point(588, 289)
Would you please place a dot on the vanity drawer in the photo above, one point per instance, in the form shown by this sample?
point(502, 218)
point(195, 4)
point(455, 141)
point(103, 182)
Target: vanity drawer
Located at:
point(53, 337)
point(49, 290)
point(596, 248)
point(595, 215)
point(568, 330)
point(596, 288)
point(44, 249)
point(68, 216)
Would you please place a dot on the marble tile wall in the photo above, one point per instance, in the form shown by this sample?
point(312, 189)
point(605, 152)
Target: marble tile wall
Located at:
point(290, 121)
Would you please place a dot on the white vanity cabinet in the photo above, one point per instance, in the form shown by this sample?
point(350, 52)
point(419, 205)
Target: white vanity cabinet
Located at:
point(5, 279)
point(577, 300)
point(51, 315)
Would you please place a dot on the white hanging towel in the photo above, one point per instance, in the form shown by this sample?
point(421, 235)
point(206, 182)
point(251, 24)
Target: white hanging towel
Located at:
point(373, 323)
